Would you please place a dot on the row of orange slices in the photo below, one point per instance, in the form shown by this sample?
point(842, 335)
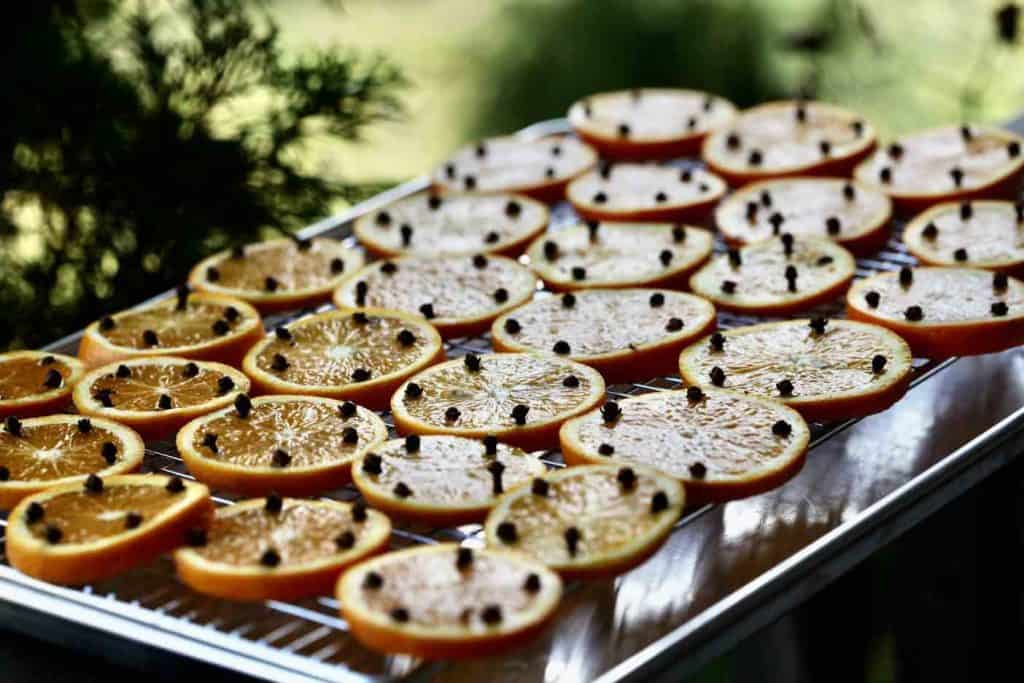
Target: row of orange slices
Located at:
point(739, 428)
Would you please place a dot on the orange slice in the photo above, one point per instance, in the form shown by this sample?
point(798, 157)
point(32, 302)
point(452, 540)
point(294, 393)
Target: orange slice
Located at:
point(824, 369)
point(616, 255)
point(280, 549)
point(793, 138)
point(36, 382)
point(447, 602)
point(459, 295)
point(536, 168)
point(294, 445)
point(649, 123)
point(155, 396)
point(192, 325)
point(625, 334)
point(519, 398)
point(776, 276)
point(976, 234)
point(947, 163)
point(278, 275)
point(586, 522)
point(852, 214)
point(358, 356)
point(943, 312)
point(41, 452)
point(722, 445)
point(645, 192)
point(434, 225)
point(76, 534)
point(441, 480)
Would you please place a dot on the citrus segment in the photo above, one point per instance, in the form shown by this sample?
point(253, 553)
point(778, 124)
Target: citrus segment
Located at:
point(976, 234)
point(359, 356)
point(280, 549)
point(589, 521)
point(625, 334)
point(441, 480)
point(278, 275)
point(435, 225)
point(294, 445)
point(721, 444)
point(36, 382)
point(852, 214)
point(824, 369)
point(649, 123)
point(447, 602)
point(776, 276)
point(787, 139)
point(459, 295)
point(943, 312)
point(76, 534)
point(191, 325)
point(519, 398)
point(536, 168)
point(951, 162)
point(615, 255)
point(645, 192)
point(157, 395)
point(42, 452)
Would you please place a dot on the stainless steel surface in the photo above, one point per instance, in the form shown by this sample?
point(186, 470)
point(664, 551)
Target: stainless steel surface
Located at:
point(725, 570)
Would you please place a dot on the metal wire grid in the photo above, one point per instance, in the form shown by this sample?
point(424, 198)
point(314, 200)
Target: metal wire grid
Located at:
point(312, 629)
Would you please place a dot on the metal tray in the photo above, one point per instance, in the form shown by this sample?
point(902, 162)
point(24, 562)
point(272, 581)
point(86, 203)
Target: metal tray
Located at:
point(725, 571)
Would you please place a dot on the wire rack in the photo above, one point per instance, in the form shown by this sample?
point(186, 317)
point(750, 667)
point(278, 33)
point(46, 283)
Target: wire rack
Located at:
point(310, 636)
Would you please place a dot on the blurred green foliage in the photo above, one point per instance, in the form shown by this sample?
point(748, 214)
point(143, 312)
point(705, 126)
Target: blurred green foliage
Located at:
point(551, 53)
point(113, 177)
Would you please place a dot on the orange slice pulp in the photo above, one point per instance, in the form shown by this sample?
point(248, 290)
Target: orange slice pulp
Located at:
point(588, 521)
point(280, 549)
point(625, 334)
point(36, 382)
point(447, 602)
point(359, 356)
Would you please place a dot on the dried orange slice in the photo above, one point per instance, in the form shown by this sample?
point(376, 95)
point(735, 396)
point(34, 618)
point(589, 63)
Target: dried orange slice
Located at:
point(80, 533)
point(943, 312)
point(625, 334)
point(441, 480)
point(852, 214)
point(280, 549)
point(616, 255)
point(278, 275)
point(448, 602)
point(537, 168)
point(721, 444)
point(191, 325)
point(975, 234)
point(519, 398)
point(824, 369)
point(294, 445)
point(645, 192)
point(155, 396)
point(36, 382)
point(947, 163)
point(459, 295)
point(41, 452)
point(435, 225)
point(776, 276)
point(791, 138)
point(359, 356)
point(591, 521)
point(649, 123)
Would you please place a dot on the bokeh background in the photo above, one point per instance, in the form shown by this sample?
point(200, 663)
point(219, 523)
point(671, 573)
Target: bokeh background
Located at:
point(138, 136)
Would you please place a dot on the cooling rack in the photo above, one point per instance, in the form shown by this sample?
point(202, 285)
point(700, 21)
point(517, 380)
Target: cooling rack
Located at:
point(725, 570)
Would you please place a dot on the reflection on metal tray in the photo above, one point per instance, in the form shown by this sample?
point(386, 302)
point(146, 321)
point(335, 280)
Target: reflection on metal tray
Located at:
point(725, 570)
